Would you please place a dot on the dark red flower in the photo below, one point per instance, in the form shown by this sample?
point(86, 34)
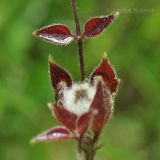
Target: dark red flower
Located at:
point(80, 107)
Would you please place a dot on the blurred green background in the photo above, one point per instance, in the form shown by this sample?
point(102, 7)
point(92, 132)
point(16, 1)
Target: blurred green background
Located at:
point(132, 44)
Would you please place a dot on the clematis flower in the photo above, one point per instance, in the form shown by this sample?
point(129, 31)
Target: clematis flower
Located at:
point(83, 106)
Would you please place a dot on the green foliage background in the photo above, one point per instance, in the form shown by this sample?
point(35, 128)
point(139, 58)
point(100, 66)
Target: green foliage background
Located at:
point(132, 44)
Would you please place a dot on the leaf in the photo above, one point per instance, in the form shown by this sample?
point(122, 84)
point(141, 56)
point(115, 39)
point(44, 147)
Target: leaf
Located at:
point(58, 75)
point(109, 77)
point(59, 133)
point(96, 25)
point(83, 123)
point(99, 112)
point(65, 117)
point(102, 103)
point(57, 34)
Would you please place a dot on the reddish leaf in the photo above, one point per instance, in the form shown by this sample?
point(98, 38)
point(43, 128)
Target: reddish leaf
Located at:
point(102, 103)
point(58, 75)
point(65, 117)
point(57, 34)
point(54, 134)
point(83, 123)
point(105, 70)
point(96, 25)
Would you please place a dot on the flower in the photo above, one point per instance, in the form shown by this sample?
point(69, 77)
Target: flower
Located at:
point(80, 107)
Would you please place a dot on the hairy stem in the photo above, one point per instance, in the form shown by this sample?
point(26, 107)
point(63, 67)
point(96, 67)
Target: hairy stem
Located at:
point(90, 154)
point(79, 40)
point(90, 149)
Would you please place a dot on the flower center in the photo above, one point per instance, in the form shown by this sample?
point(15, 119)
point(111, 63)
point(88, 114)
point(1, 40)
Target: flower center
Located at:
point(81, 94)
point(78, 98)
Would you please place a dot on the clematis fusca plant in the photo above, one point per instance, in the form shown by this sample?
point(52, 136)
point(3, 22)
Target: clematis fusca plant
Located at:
point(83, 108)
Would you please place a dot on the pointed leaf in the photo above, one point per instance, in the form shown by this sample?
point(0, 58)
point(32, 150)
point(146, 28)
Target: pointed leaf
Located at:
point(54, 134)
point(58, 75)
point(57, 34)
point(109, 77)
point(102, 103)
point(65, 117)
point(83, 123)
point(96, 25)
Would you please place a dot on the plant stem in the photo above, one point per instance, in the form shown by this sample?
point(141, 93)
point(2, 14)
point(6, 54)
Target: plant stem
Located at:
point(90, 150)
point(79, 151)
point(90, 154)
point(79, 40)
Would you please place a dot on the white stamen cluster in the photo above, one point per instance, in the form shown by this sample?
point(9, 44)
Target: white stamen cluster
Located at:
point(78, 98)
